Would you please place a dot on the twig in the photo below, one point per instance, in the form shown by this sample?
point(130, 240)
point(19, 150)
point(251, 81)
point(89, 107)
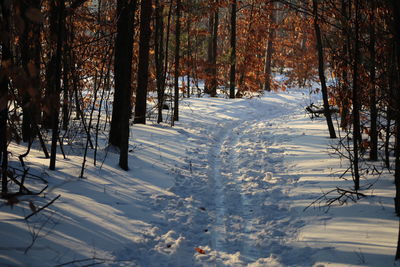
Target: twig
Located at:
point(90, 259)
point(42, 208)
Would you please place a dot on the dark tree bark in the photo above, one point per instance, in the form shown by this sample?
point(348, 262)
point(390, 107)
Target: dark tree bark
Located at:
point(232, 76)
point(4, 81)
point(321, 71)
point(345, 90)
point(143, 67)
point(211, 85)
point(119, 131)
point(189, 55)
point(159, 58)
point(30, 59)
point(268, 53)
point(395, 6)
point(243, 70)
point(177, 59)
point(55, 92)
point(356, 100)
point(373, 155)
point(207, 82)
point(214, 79)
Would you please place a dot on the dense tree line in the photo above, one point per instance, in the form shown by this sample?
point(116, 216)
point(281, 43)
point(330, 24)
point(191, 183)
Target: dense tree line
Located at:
point(63, 62)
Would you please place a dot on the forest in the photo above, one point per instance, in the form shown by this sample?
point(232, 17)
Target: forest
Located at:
point(76, 76)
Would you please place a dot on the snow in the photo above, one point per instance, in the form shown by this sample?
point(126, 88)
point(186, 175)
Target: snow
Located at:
point(227, 186)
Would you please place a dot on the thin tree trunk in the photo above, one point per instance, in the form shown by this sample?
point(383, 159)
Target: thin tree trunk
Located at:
point(55, 96)
point(159, 56)
point(269, 52)
point(214, 79)
point(232, 76)
point(189, 55)
point(356, 101)
point(177, 59)
point(143, 67)
point(344, 95)
point(373, 155)
point(395, 5)
point(4, 81)
point(321, 72)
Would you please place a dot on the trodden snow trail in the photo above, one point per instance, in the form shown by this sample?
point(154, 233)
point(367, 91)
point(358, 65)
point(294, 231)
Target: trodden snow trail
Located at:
point(230, 203)
point(250, 203)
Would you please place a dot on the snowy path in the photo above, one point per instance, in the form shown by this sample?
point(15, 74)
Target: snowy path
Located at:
point(231, 193)
point(251, 214)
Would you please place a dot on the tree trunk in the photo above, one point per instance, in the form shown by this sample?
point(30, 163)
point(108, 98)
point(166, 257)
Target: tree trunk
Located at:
point(269, 52)
point(373, 155)
point(321, 71)
point(232, 76)
point(356, 101)
point(119, 132)
point(55, 93)
point(345, 90)
point(177, 58)
point(143, 66)
point(214, 79)
point(159, 57)
point(395, 5)
point(4, 81)
point(30, 59)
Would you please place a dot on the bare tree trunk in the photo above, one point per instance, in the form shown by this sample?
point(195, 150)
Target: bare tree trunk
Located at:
point(143, 67)
point(373, 155)
point(321, 71)
point(214, 79)
point(177, 58)
point(232, 76)
point(4, 81)
point(189, 55)
point(159, 57)
point(119, 132)
point(356, 100)
point(55, 94)
point(269, 52)
point(395, 6)
point(345, 90)
point(30, 59)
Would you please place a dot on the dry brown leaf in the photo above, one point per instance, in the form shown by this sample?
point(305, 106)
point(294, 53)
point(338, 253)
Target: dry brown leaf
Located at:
point(201, 251)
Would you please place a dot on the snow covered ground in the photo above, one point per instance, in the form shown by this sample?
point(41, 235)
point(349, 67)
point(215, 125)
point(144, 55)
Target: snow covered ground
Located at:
point(226, 187)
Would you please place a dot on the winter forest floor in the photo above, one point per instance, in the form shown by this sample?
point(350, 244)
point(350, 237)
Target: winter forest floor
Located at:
point(227, 186)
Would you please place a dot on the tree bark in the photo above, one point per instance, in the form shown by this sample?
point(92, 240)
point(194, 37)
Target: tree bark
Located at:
point(321, 71)
point(143, 66)
point(55, 93)
point(373, 155)
point(159, 57)
point(30, 59)
point(356, 100)
point(269, 52)
point(4, 81)
point(232, 76)
point(214, 79)
point(177, 58)
point(119, 132)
